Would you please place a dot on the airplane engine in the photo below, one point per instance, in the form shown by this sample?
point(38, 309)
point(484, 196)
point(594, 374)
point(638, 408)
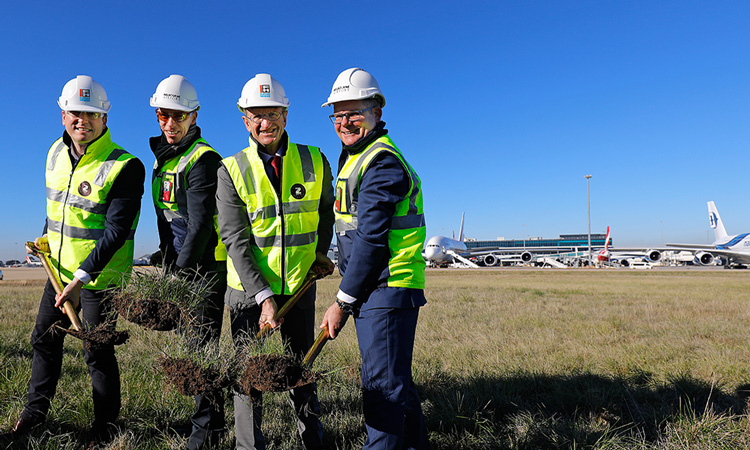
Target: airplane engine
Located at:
point(526, 256)
point(704, 258)
point(491, 260)
point(653, 255)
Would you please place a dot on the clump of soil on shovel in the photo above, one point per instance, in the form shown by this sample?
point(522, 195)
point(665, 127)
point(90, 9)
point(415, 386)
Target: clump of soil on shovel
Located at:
point(104, 334)
point(188, 378)
point(274, 373)
point(152, 314)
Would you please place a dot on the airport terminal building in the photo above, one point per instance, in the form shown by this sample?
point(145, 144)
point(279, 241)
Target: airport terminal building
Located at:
point(565, 241)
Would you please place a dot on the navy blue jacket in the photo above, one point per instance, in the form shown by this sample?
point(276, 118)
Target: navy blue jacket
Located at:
point(364, 253)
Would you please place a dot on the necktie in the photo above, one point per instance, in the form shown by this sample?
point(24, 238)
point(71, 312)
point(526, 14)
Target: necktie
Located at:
point(276, 163)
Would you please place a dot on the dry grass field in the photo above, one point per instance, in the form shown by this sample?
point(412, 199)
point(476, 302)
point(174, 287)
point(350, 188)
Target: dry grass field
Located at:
point(504, 359)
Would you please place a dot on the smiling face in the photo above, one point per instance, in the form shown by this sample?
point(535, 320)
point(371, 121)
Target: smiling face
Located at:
point(265, 131)
point(175, 124)
point(350, 132)
point(83, 128)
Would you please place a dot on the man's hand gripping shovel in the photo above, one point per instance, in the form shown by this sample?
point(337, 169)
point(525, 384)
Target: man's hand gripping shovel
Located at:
point(320, 269)
point(42, 251)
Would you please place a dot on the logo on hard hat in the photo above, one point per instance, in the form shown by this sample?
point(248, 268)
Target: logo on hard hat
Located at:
point(298, 191)
point(169, 96)
point(341, 89)
point(84, 188)
point(265, 90)
point(85, 95)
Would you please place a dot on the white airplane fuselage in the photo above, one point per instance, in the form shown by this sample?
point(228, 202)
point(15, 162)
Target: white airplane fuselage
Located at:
point(440, 249)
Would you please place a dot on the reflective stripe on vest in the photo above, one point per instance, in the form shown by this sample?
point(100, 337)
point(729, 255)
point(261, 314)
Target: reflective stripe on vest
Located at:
point(77, 201)
point(407, 233)
point(285, 227)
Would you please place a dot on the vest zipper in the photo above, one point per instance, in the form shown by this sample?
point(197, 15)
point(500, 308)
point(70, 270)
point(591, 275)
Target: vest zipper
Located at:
point(283, 229)
point(73, 166)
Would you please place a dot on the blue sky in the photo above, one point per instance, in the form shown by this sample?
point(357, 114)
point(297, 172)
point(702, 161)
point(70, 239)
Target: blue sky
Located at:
point(501, 106)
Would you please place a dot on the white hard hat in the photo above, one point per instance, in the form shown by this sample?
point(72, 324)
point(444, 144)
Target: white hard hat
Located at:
point(82, 93)
point(262, 91)
point(355, 84)
point(175, 92)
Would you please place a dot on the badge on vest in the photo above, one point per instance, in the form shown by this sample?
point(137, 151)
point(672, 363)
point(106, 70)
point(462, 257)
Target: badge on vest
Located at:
point(298, 191)
point(84, 188)
point(166, 190)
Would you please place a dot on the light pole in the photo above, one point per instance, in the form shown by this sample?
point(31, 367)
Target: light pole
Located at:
point(588, 203)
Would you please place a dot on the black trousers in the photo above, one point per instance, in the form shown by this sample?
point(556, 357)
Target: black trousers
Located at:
point(48, 355)
point(209, 409)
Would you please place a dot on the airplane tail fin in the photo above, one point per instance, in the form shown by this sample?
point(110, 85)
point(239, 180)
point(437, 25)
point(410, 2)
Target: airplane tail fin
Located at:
point(461, 230)
point(720, 233)
point(606, 241)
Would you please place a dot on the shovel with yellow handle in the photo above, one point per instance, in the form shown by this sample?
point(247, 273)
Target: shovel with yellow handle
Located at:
point(309, 280)
point(43, 254)
point(317, 346)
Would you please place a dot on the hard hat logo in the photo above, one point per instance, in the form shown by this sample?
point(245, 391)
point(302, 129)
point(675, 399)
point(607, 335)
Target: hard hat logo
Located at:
point(265, 90)
point(340, 89)
point(173, 97)
point(85, 95)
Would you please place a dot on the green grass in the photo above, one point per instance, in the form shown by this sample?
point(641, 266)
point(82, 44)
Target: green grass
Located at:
point(504, 359)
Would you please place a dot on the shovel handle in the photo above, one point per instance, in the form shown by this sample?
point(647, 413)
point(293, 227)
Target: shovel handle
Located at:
point(309, 280)
point(57, 285)
point(317, 346)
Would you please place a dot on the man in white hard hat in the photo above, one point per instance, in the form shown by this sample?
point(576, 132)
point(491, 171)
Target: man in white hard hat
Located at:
point(380, 230)
point(184, 195)
point(94, 191)
point(275, 202)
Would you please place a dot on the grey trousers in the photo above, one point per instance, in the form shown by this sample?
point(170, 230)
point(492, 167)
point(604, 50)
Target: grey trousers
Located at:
point(299, 331)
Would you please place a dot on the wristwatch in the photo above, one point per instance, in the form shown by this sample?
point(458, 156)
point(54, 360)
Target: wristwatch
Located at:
point(346, 308)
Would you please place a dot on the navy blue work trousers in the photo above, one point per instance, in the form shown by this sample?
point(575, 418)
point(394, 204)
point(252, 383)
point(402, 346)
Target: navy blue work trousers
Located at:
point(392, 410)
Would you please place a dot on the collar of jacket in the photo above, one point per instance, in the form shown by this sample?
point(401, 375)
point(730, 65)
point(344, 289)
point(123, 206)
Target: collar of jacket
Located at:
point(92, 147)
point(164, 151)
point(281, 151)
point(364, 142)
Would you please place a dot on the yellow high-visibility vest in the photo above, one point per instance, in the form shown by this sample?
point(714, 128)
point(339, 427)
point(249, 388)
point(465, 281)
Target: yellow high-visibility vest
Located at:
point(285, 227)
point(406, 237)
point(169, 188)
point(76, 209)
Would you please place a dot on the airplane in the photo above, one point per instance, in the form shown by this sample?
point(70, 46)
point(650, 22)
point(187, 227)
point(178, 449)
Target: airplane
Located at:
point(735, 248)
point(33, 261)
point(441, 250)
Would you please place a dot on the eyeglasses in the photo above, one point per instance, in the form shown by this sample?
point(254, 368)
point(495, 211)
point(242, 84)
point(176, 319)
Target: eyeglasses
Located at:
point(272, 116)
point(352, 116)
point(87, 114)
point(177, 116)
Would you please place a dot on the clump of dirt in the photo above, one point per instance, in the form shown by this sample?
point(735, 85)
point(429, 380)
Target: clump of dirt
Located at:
point(274, 373)
point(148, 313)
point(188, 378)
point(102, 335)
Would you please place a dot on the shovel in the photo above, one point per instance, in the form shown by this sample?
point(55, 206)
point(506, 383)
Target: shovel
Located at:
point(317, 346)
point(309, 280)
point(57, 284)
